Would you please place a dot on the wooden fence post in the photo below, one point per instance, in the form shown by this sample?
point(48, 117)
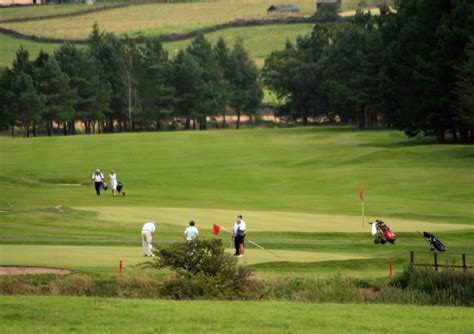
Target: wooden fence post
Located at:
point(412, 259)
point(464, 264)
point(436, 260)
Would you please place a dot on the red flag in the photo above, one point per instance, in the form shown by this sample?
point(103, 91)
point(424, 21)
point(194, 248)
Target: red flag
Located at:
point(216, 229)
point(361, 194)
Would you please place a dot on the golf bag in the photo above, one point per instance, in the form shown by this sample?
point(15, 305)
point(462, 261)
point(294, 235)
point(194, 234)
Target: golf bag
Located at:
point(120, 187)
point(435, 243)
point(384, 234)
point(104, 185)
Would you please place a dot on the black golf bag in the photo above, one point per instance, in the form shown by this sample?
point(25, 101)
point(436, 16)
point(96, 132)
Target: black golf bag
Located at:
point(435, 243)
point(120, 187)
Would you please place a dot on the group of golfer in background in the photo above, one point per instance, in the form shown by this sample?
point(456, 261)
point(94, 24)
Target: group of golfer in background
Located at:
point(192, 233)
point(99, 182)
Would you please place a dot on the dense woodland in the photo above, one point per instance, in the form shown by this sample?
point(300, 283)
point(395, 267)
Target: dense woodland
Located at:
point(411, 68)
point(112, 86)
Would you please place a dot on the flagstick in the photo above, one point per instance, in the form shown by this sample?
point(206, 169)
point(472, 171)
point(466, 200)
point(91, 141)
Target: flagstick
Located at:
point(363, 215)
point(253, 243)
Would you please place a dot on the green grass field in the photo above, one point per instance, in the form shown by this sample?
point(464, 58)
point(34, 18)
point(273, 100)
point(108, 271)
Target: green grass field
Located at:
point(293, 186)
point(96, 315)
point(10, 45)
point(24, 12)
point(298, 189)
point(259, 41)
point(161, 18)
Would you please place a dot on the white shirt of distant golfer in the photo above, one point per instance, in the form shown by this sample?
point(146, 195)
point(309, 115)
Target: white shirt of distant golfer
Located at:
point(97, 177)
point(149, 227)
point(191, 233)
point(242, 227)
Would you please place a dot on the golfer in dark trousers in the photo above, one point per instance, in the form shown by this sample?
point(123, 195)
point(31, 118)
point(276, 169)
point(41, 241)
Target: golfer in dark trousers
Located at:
point(97, 178)
point(238, 233)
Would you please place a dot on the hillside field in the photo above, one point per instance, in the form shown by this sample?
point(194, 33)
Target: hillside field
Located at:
point(297, 188)
point(155, 18)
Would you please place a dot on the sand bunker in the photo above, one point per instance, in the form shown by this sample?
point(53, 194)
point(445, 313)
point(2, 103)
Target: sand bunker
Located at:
point(10, 271)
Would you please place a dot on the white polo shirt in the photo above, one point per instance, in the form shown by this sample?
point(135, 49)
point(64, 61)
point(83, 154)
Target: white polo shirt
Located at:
point(97, 177)
point(191, 232)
point(149, 227)
point(242, 226)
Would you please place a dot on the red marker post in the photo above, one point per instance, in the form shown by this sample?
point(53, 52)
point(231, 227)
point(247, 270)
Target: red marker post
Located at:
point(120, 267)
point(390, 266)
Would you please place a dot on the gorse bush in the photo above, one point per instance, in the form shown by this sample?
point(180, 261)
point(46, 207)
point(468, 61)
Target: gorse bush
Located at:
point(203, 270)
point(446, 287)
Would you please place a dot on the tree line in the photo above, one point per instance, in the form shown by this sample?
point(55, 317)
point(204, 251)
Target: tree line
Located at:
point(411, 67)
point(111, 85)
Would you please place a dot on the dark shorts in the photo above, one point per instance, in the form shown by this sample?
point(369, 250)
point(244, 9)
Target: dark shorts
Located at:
point(240, 239)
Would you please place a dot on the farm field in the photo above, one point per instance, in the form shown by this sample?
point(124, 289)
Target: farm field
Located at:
point(160, 18)
point(24, 12)
point(10, 45)
point(101, 315)
point(297, 188)
point(259, 41)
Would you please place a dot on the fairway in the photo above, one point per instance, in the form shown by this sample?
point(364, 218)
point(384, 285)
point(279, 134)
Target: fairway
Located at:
point(299, 184)
point(102, 315)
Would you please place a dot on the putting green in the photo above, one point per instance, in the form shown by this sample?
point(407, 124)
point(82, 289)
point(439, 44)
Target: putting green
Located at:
point(253, 256)
point(259, 220)
point(99, 258)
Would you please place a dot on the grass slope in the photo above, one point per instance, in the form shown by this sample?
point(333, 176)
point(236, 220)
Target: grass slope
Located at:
point(161, 18)
point(259, 41)
point(293, 186)
point(10, 45)
point(23, 12)
point(308, 170)
point(94, 315)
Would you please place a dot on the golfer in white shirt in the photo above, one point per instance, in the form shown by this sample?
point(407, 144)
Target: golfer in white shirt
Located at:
point(97, 179)
point(147, 231)
point(191, 232)
point(238, 233)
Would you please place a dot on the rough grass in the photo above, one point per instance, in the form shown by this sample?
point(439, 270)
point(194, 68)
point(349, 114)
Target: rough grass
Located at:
point(158, 17)
point(95, 315)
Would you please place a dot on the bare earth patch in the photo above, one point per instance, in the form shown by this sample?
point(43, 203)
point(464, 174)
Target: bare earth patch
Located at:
point(10, 271)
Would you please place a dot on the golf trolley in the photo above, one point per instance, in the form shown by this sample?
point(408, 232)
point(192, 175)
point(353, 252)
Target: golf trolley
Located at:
point(434, 242)
point(382, 233)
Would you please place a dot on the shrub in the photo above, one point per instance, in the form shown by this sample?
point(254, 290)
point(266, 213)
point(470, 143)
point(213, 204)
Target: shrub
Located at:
point(203, 270)
point(446, 287)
